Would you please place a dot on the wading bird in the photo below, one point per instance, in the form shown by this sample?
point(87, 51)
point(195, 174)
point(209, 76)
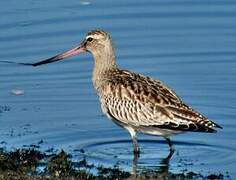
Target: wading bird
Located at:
point(135, 102)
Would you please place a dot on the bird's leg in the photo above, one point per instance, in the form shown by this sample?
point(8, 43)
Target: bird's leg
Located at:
point(170, 144)
point(172, 149)
point(135, 164)
point(134, 139)
point(136, 155)
point(135, 144)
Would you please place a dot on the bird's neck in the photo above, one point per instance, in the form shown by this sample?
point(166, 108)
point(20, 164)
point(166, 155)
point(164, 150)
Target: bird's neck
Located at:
point(104, 62)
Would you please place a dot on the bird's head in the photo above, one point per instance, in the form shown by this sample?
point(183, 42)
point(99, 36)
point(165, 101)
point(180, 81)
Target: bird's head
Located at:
point(96, 40)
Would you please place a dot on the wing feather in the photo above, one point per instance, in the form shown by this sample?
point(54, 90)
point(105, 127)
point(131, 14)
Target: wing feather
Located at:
point(141, 101)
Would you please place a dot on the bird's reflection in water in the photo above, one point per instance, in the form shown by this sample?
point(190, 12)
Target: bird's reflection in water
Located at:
point(163, 168)
point(151, 164)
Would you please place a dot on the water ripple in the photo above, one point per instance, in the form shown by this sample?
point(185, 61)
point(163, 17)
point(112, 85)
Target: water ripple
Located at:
point(153, 152)
point(189, 45)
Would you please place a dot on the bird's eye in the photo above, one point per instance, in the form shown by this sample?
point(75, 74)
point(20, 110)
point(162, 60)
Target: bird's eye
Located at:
point(89, 39)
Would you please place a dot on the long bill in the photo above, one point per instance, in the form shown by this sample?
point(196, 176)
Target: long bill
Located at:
point(72, 52)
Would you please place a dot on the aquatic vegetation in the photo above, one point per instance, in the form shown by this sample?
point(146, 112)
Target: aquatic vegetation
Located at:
point(33, 164)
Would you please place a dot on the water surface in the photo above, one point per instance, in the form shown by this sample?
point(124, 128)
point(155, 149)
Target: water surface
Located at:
point(190, 45)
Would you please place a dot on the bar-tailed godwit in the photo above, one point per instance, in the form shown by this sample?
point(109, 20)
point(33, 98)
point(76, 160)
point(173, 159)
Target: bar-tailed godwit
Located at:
point(135, 102)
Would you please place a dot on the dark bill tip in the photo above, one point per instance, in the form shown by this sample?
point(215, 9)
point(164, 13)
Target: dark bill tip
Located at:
point(72, 52)
point(75, 51)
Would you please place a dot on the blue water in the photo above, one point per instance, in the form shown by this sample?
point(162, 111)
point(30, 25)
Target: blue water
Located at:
point(190, 45)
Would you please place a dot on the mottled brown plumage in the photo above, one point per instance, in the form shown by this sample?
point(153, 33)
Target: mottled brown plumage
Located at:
point(136, 102)
point(142, 102)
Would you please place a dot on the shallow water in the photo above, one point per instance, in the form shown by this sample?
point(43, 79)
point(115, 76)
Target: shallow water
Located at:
point(190, 45)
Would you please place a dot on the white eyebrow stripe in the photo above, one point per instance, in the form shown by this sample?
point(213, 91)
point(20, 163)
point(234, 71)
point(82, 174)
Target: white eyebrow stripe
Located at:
point(89, 37)
point(94, 36)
